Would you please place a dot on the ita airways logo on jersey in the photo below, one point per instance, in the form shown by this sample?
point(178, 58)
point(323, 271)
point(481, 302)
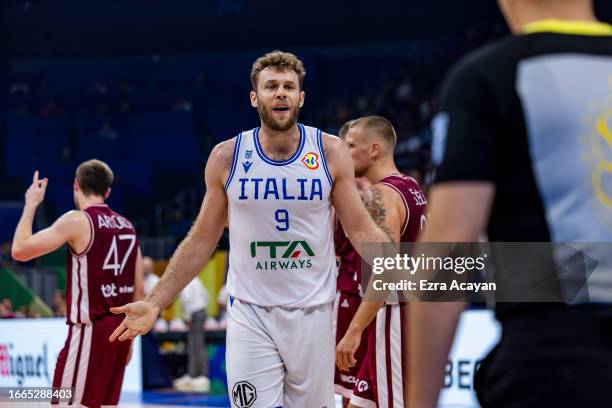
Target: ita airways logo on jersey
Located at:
point(311, 160)
point(282, 255)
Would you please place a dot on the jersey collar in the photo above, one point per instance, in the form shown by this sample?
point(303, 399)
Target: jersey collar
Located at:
point(574, 27)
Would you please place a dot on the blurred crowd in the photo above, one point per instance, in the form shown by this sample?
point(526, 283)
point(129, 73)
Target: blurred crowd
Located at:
point(40, 100)
point(7, 311)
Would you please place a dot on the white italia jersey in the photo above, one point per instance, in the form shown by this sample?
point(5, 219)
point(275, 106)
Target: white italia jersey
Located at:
point(280, 223)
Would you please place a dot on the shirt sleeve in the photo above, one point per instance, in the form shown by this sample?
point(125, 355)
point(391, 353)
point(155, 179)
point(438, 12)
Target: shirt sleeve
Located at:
point(464, 132)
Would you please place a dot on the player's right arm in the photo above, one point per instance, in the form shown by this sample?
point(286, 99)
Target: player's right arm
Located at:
point(190, 256)
point(72, 227)
point(354, 217)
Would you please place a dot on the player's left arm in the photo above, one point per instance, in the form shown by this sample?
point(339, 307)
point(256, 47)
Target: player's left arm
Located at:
point(465, 151)
point(459, 213)
point(382, 203)
point(66, 229)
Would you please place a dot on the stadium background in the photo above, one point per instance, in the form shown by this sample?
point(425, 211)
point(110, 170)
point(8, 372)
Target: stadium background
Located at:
point(151, 86)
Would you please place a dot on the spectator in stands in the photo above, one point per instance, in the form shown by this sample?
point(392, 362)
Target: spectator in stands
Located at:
point(65, 155)
point(22, 311)
point(403, 94)
point(200, 81)
point(101, 108)
point(5, 254)
point(59, 304)
point(194, 300)
point(182, 104)
point(425, 109)
point(51, 108)
point(343, 114)
point(107, 132)
point(19, 87)
point(180, 225)
point(43, 89)
point(126, 106)
point(6, 309)
point(222, 299)
point(124, 95)
point(150, 278)
point(98, 89)
point(23, 109)
point(123, 88)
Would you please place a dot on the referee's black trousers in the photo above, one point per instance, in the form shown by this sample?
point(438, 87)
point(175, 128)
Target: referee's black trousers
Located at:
point(550, 356)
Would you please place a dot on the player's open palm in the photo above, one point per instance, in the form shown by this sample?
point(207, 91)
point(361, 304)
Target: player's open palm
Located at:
point(139, 319)
point(35, 194)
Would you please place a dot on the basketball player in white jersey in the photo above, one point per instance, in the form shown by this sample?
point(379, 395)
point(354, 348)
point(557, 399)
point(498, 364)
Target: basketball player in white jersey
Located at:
point(276, 185)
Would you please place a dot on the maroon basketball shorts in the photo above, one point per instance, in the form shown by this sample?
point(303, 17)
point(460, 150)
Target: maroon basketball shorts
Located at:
point(91, 365)
point(380, 377)
point(346, 306)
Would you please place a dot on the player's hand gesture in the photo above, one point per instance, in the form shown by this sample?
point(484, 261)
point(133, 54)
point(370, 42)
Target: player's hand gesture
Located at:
point(346, 349)
point(35, 194)
point(139, 319)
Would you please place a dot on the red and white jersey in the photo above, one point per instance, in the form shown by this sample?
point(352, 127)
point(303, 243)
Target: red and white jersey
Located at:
point(414, 202)
point(102, 276)
point(349, 271)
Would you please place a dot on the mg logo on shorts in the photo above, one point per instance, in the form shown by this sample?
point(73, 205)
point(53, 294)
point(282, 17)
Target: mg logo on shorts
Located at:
point(362, 386)
point(244, 394)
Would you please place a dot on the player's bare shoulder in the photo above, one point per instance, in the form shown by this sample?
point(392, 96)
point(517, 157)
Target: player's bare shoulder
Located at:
point(220, 160)
point(77, 228)
point(336, 154)
point(75, 220)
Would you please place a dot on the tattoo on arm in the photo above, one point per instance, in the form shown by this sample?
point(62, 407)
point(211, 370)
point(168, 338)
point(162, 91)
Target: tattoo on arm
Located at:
point(374, 204)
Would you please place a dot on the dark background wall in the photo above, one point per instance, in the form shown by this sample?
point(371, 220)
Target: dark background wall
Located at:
point(50, 28)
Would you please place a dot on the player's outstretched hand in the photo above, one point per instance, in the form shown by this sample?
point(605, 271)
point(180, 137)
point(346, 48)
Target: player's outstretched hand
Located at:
point(139, 319)
point(35, 194)
point(346, 349)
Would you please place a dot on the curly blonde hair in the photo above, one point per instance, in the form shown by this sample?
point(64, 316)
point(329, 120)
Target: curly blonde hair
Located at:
point(282, 61)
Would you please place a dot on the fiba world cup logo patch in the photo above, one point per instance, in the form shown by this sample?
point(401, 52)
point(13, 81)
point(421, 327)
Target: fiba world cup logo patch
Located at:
point(311, 160)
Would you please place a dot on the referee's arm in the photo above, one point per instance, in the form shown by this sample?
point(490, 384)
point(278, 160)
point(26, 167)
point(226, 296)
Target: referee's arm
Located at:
point(459, 205)
point(458, 213)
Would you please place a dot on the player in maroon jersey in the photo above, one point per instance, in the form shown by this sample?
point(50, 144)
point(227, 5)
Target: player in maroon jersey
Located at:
point(397, 204)
point(104, 270)
point(348, 299)
point(348, 295)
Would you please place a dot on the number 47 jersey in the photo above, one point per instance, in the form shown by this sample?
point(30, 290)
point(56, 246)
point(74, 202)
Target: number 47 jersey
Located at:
point(102, 276)
point(280, 224)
